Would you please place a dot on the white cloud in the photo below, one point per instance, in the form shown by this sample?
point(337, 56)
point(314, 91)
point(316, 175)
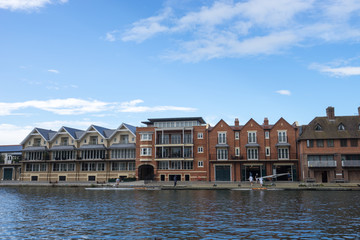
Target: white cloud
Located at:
point(12, 134)
point(252, 27)
point(74, 106)
point(26, 4)
point(342, 71)
point(53, 71)
point(284, 92)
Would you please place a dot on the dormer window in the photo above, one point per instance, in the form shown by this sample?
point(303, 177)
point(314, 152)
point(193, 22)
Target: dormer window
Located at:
point(341, 127)
point(318, 127)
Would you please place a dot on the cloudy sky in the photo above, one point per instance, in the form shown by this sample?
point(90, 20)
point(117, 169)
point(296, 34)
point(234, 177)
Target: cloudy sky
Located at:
point(76, 63)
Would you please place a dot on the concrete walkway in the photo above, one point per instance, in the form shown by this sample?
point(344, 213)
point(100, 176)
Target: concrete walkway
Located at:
point(198, 185)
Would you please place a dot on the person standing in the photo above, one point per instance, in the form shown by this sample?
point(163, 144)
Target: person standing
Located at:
point(175, 181)
point(251, 179)
point(261, 181)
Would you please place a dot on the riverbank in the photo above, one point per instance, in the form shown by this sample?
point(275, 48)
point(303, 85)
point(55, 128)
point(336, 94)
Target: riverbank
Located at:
point(151, 185)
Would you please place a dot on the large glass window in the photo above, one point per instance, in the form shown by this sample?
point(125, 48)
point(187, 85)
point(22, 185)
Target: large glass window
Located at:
point(282, 138)
point(251, 137)
point(283, 153)
point(222, 138)
point(252, 153)
point(222, 154)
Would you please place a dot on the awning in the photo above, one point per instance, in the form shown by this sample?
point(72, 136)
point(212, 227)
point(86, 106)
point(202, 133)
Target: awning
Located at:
point(58, 148)
point(123, 146)
point(222, 145)
point(282, 144)
point(252, 145)
point(35, 149)
point(93, 147)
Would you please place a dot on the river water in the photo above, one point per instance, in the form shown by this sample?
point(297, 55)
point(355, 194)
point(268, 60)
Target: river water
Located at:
point(76, 213)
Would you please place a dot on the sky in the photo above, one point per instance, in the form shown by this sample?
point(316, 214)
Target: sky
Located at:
point(76, 63)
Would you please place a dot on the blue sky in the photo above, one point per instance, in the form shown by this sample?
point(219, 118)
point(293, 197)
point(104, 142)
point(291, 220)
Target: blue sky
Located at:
point(76, 63)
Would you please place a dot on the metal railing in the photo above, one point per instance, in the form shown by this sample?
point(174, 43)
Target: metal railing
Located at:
point(321, 163)
point(351, 163)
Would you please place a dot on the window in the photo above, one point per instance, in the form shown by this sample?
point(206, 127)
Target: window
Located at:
point(341, 127)
point(267, 151)
point(222, 154)
point(236, 135)
point(176, 139)
point(163, 165)
point(200, 135)
point(237, 151)
point(282, 138)
point(343, 142)
point(200, 164)
point(93, 140)
point(251, 137)
point(146, 137)
point(145, 152)
point(252, 153)
point(267, 135)
point(320, 157)
point(318, 127)
point(283, 153)
point(222, 138)
point(354, 142)
point(320, 143)
point(64, 141)
point(330, 142)
point(37, 142)
point(200, 149)
point(124, 139)
point(310, 143)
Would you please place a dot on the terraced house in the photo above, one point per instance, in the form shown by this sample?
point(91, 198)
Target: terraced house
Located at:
point(96, 154)
point(238, 151)
point(329, 148)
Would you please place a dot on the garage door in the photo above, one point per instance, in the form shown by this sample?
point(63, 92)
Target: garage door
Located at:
point(222, 173)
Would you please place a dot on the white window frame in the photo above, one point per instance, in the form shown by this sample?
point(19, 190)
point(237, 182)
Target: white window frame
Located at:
point(222, 154)
point(145, 136)
point(200, 135)
point(201, 149)
point(237, 135)
point(267, 134)
point(267, 151)
point(282, 136)
point(146, 151)
point(283, 153)
point(252, 137)
point(252, 154)
point(237, 151)
point(200, 163)
point(222, 137)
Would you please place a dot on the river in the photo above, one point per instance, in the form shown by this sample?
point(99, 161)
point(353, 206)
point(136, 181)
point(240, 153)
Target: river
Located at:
point(76, 213)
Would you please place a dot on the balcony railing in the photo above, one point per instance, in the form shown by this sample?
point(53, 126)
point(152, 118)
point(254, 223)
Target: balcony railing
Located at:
point(321, 163)
point(351, 163)
point(174, 141)
point(174, 155)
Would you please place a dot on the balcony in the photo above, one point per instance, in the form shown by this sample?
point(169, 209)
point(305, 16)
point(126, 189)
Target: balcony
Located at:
point(351, 163)
point(321, 163)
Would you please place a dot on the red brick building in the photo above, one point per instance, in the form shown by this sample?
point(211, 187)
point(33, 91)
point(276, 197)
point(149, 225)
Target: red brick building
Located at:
point(329, 148)
point(236, 152)
point(170, 147)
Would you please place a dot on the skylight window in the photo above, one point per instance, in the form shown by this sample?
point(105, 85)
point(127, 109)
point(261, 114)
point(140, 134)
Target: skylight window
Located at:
point(341, 127)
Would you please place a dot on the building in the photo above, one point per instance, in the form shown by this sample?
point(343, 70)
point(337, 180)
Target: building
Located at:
point(329, 148)
point(236, 152)
point(96, 154)
point(169, 147)
point(10, 157)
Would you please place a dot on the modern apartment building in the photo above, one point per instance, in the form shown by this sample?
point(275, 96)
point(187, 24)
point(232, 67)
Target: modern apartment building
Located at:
point(238, 151)
point(169, 147)
point(96, 154)
point(329, 148)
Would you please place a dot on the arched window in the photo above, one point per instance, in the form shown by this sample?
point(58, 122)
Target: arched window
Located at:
point(341, 127)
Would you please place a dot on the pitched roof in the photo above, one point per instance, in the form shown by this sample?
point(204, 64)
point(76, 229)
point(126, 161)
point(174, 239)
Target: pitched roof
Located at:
point(75, 133)
point(329, 128)
point(131, 128)
point(46, 134)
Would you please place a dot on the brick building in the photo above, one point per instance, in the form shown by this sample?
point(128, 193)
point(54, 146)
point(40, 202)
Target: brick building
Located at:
point(329, 148)
point(169, 147)
point(236, 152)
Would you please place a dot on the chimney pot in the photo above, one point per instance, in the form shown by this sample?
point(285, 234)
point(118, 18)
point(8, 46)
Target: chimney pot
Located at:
point(330, 113)
point(236, 122)
point(266, 121)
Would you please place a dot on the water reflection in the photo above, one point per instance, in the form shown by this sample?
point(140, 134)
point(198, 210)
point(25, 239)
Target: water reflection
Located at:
point(73, 213)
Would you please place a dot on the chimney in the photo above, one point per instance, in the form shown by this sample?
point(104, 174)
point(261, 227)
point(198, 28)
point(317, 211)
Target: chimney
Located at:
point(330, 113)
point(266, 121)
point(237, 122)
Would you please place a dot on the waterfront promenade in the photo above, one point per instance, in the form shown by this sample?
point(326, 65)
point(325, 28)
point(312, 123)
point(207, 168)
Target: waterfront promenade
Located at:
point(149, 185)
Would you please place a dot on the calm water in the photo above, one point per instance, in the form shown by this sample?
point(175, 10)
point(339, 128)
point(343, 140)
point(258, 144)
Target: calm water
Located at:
point(74, 213)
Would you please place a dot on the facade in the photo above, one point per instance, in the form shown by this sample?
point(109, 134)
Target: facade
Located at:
point(97, 154)
point(236, 152)
point(329, 148)
point(10, 157)
point(169, 147)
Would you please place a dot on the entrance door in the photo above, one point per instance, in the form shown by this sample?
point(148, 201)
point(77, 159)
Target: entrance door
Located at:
point(8, 173)
point(324, 177)
point(146, 172)
point(222, 173)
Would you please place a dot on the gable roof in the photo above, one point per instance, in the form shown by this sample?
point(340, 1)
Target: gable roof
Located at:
point(73, 132)
point(130, 128)
point(44, 133)
point(330, 128)
point(104, 132)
